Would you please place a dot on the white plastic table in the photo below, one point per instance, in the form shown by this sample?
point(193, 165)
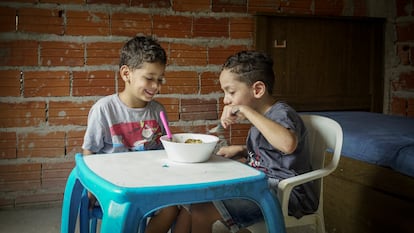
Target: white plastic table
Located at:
point(130, 185)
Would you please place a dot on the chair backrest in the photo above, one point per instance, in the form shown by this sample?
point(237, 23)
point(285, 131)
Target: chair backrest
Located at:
point(324, 135)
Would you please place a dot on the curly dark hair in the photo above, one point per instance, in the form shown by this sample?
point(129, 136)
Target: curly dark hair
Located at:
point(142, 49)
point(252, 66)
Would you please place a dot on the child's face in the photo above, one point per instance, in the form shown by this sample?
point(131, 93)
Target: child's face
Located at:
point(235, 91)
point(144, 83)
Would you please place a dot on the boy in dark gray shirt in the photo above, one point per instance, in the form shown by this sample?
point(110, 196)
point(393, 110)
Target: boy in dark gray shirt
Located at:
point(274, 145)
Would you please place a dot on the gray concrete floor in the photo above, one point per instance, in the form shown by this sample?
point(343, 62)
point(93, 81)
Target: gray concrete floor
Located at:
point(31, 220)
point(47, 220)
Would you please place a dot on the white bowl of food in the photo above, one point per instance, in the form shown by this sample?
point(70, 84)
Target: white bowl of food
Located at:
point(189, 147)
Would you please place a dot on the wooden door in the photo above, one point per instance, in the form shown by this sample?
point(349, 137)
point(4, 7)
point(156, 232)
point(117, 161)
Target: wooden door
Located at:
point(325, 63)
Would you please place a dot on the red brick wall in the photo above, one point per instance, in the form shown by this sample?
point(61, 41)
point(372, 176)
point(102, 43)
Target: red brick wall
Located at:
point(402, 82)
point(62, 55)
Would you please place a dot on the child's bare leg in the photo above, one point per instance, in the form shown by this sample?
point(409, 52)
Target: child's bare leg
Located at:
point(203, 216)
point(162, 222)
point(183, 223)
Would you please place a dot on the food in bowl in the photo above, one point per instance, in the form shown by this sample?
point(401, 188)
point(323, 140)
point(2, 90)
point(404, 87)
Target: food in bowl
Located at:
point(179, 151)
point(193, 141)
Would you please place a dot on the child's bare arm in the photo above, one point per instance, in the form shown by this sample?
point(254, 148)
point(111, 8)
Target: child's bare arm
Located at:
point(278, 136)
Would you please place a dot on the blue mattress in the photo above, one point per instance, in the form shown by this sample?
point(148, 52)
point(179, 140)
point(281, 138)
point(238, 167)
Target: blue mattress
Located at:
point(376, 138)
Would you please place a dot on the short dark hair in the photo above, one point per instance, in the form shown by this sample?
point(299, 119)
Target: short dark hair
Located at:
point(142, 49)
point(252, 66)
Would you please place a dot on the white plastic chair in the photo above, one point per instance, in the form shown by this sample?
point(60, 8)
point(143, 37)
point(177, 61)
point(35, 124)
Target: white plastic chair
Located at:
point(323, 134)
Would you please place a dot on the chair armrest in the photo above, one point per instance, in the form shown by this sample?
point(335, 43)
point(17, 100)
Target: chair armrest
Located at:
point(285, 186)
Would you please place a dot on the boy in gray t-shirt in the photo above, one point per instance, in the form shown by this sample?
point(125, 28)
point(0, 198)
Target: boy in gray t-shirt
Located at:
point(115, 127)
point(274, 145)
point(130, 120)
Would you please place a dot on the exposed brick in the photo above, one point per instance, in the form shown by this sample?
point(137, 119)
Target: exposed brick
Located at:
point(7, 19)
point(54, 175)
point(403, 52)
point(405, 82)
point(328, 7)
point(39, 199)
point(22, 114)
point(191, 5)
point(88, 51)
point(241, 28)
point(220, 106)
point(93, 83)
point(74, 140)
point(412, 55)
point(173, 26)
point(8, 144)
point(198, 109)
point(62, 54)
point(18, 177)
point(46, 83)
point(114, 2)
point(129, 24)
point(263, 6)
point(26, 1)
point(210, 83)
point(218, 55)
point(61, 1)
point(410, 107)
point(398, 106)
point(42, 144)
point(405, 32)
point(190, 129)
point(69, 113)
point(6, 202)
point(18, 53)
point(41, 20)
point(198, 105)
point(151, 3)
point(171, 107)
point(211, 27)
point(408, 79)
point(193, 116)
point(360, 8)
point(9, 83)
point(187, 55)
point(102, 53)
point(182, 82)
point(402, 7)
point(296, 7)
point(229, 6)
point(239, 134)
point(87, 23)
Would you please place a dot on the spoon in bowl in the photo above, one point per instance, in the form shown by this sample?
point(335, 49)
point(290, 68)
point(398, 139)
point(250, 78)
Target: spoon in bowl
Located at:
point(166, 127)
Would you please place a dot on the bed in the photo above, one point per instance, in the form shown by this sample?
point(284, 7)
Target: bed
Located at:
point(372, 190)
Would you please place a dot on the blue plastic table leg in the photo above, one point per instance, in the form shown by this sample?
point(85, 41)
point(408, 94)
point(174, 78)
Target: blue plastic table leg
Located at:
point(268, 205)
point(71, 203)
point(120, 218)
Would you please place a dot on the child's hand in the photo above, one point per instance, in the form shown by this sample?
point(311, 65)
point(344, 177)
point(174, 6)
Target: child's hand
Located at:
point(230, 115)
point(231, 151)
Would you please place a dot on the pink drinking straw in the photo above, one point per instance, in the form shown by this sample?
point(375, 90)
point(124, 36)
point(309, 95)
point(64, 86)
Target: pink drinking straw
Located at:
point(165, 123)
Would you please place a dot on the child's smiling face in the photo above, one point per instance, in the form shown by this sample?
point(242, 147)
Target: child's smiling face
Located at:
point(144, 83)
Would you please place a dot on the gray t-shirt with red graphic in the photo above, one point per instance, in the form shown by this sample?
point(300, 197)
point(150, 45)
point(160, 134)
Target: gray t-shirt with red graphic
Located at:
point(114, 127)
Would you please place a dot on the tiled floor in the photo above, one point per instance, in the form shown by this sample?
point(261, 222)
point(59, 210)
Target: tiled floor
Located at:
point(47, 220)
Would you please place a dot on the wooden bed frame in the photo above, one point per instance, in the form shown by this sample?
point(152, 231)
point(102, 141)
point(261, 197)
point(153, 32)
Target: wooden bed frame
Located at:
point(361, 198)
